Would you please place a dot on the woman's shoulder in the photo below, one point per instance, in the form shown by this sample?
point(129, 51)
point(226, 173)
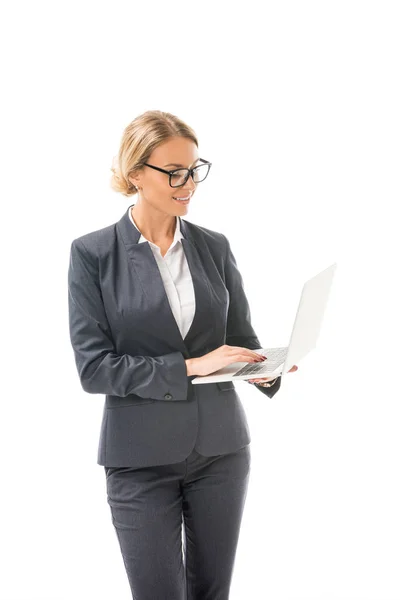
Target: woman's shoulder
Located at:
point(98, 241)
point(205, 234)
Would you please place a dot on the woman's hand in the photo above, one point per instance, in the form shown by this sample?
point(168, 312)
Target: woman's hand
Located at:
point(261, 380)
point(221, 357)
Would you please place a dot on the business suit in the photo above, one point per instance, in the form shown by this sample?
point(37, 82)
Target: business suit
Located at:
point(127, 346)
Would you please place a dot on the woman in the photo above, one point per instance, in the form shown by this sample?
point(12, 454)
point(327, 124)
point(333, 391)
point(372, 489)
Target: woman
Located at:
point(154, 301)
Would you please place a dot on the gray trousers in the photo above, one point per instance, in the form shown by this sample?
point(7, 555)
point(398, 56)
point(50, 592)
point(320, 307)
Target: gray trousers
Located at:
point(199, 501)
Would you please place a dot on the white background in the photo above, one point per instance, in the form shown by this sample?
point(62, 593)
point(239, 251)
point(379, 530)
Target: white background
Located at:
point(296, 104)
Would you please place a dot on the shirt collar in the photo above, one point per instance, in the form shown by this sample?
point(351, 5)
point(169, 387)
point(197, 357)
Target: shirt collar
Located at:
point(177, 237)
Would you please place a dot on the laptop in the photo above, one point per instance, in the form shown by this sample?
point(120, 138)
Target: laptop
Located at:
point(305, 333)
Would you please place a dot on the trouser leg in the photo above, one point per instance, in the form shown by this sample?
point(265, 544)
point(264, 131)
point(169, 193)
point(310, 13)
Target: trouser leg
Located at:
point(146, 508)
point(214, 494)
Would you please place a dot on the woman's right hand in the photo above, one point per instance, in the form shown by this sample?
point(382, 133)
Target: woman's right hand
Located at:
point(222, 357)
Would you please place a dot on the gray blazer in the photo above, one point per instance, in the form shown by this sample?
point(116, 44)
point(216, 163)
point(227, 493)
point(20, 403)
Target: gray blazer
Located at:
point(128, 346)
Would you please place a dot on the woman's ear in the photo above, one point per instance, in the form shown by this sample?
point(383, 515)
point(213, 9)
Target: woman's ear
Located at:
point(134, 179)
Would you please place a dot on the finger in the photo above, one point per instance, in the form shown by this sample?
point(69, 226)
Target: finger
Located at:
point(253, 354)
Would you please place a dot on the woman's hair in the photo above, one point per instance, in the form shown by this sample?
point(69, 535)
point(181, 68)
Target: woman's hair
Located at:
point(139, 139)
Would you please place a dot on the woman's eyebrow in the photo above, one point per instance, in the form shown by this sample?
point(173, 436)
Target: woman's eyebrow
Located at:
point(178, 164)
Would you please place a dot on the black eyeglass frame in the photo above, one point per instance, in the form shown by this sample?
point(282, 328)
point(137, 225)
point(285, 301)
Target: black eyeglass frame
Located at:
point(189, 172)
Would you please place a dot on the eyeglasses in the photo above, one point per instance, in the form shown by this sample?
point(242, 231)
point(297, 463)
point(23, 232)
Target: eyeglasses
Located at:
point(179, 177)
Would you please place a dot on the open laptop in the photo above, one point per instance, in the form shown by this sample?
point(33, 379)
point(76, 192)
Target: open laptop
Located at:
point(305, 332)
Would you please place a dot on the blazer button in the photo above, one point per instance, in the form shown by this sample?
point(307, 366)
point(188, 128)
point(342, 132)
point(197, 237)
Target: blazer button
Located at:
point(167, 396)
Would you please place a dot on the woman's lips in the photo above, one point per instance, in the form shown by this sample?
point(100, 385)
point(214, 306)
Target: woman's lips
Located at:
point(182, 201)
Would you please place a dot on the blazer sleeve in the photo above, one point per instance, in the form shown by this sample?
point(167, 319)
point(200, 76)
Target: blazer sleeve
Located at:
point(239, 330)
point(100, 368)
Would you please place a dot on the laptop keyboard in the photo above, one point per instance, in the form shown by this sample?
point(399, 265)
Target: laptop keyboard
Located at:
point(276, 356)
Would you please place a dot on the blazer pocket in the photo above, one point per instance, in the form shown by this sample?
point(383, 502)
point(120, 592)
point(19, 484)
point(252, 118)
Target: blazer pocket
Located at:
point(225, 385)
point(132, 400)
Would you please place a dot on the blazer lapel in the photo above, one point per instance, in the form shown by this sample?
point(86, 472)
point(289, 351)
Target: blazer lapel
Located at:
point(145, 265)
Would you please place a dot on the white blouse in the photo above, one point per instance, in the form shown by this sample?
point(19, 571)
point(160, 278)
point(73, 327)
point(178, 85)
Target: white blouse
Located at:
point(177, 278)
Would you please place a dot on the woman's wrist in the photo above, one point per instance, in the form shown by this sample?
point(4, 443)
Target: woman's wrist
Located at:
point(190, 366)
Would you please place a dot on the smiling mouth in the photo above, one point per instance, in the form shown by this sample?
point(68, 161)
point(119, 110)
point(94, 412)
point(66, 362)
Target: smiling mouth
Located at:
point(182, 198)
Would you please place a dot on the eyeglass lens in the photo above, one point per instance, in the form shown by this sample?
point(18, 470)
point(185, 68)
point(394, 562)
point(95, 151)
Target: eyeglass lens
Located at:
point(199, 174)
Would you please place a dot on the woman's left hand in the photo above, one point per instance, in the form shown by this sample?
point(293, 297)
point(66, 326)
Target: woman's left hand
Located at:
point(261, 380)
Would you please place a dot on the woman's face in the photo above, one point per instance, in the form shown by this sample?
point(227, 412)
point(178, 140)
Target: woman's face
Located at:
point(177, 152)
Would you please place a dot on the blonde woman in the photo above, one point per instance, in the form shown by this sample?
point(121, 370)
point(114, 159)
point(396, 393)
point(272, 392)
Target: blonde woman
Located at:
point(155, 300)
